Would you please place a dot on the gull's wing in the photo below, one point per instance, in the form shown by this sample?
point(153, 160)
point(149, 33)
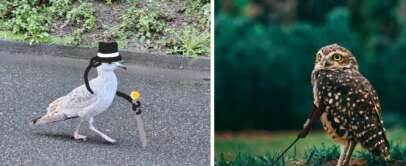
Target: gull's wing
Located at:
point(73, 102)
point(67, 107)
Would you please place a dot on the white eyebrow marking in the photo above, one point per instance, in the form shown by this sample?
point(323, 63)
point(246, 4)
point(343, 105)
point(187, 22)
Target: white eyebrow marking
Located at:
point(336, 52)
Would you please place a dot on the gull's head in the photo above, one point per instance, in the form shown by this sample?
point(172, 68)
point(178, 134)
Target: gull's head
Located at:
point(111, 66)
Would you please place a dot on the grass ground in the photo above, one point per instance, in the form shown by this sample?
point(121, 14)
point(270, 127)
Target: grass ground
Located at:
point(245, 145)
point(57, 40)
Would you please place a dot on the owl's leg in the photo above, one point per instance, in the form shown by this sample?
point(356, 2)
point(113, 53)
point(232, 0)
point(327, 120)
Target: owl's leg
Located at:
point(91, 127)
point(348, 153)
point(343, 149)
point(76, 134)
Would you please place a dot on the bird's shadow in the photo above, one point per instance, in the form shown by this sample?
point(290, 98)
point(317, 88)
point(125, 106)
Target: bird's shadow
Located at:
point(69, 138)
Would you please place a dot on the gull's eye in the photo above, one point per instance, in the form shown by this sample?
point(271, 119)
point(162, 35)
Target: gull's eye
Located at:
point(337, 57)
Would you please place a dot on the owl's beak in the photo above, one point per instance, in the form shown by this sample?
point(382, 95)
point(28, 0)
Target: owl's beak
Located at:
point(326, 63)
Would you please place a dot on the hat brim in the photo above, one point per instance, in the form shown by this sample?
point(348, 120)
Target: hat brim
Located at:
point(108, 59)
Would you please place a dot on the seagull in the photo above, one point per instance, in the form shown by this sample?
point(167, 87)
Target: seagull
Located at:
point(83, 104)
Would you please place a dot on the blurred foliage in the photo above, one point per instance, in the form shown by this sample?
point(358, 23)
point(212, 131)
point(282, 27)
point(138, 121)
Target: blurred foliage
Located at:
point(148, 21)
point(155, 25)
point(83, 15)
point(265, 52)
point(34, 19)
point(188, 41)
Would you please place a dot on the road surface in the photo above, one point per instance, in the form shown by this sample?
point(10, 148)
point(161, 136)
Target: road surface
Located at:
point(176, 106)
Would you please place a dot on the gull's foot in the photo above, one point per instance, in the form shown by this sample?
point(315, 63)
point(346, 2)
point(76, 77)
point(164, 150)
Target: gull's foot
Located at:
point(77, 136)
point(108, 139)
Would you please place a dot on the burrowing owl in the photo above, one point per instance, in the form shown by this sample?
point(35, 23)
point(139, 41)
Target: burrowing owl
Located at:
point(349, 105)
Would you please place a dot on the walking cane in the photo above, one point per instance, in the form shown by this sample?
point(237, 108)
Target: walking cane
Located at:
point(135, 96)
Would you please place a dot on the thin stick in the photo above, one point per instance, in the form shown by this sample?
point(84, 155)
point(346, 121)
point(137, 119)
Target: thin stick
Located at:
point(314, 115)
point(283, 153)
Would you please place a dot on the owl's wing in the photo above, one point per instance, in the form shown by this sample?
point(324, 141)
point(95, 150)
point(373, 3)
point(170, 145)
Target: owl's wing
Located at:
point(352, 107)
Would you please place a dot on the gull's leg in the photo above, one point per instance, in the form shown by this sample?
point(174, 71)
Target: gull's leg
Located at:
point(76, 134)
point(348, 153)
point(343, 149)
point(91, 127)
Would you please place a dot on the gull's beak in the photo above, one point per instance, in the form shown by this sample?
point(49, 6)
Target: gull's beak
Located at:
point(122, 66)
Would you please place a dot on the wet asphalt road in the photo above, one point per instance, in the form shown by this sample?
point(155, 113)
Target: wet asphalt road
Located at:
point(176, 106)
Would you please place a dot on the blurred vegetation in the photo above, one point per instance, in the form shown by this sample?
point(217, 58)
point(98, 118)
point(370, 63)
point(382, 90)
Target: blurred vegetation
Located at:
point(265, 52)
point(169, 26)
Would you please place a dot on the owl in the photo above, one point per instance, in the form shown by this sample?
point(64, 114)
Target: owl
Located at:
point(348, 104)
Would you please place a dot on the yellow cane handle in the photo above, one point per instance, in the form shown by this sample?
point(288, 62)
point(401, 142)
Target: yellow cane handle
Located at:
point(135, 95)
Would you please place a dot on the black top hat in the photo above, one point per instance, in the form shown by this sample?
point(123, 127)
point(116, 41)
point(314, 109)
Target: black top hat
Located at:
point(108, 52)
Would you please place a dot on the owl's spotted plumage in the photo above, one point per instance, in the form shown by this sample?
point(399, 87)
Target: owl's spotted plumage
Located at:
point(349, 105)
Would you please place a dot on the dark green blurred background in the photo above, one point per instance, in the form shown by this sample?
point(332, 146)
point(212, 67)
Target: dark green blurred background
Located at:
point(265, 51)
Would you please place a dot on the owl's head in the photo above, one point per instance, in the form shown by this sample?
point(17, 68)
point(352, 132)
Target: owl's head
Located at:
point(335, 56)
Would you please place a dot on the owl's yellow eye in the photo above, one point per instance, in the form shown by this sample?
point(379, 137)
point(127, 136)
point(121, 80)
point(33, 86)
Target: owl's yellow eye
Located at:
point(337, 57)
